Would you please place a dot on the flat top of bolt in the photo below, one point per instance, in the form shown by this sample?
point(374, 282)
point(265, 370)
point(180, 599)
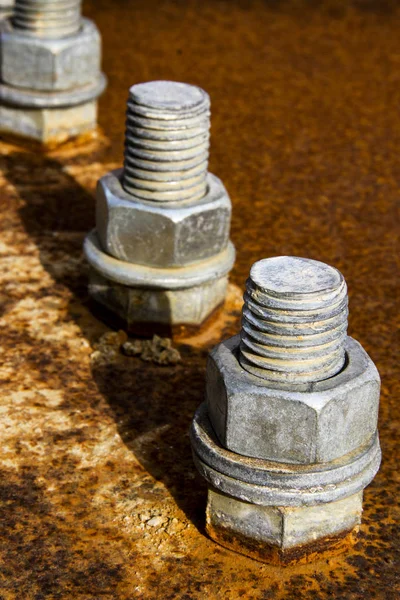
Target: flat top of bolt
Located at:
point(168, 95)
point(290, 275)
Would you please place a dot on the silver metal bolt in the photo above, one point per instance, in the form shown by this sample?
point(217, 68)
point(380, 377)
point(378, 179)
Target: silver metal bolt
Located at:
point(294, 320)
point(48, 18)
point(166, 143)
point(161, 251)
point(287, 439)
point(50, 71)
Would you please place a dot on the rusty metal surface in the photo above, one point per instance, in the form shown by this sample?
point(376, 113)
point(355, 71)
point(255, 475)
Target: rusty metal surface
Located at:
point(99, 497)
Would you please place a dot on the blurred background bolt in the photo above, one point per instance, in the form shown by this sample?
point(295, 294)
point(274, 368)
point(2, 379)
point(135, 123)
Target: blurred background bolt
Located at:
point(50, 71)
point(48, 18)
point(6, 8)
point(160, 254)
point(287, 439)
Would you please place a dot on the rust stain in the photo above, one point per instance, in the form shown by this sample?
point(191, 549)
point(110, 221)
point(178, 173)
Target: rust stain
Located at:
point(84, 139)
point(148, 329)
point(324, 548)
point(99, 497)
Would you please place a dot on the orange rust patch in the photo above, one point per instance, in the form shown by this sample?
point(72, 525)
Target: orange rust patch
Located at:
point(306, 131)
point(321, 549)
point(82, 139)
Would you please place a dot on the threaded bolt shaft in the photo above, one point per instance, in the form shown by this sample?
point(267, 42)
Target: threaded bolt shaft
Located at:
point(294, 321)
point(166, 142)
point(48, 18)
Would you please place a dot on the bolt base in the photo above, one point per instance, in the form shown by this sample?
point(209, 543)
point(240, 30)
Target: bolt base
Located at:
point(147, 330)
point(48, 126)
point(282, 535)
point(267, 553)
point(144, 311)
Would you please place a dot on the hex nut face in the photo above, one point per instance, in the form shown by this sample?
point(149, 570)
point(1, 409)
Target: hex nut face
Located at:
point(48, 125)
point(315, 424)
point(159, 235)
point(50, 64)
point(189, 306)
point(277, 533)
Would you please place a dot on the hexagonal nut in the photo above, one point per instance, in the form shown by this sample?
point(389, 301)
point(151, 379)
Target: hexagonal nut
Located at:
point(140, 307)
point(50, 64)
point(152, 234)
point(314, 423)
point(279, 534)
point(48, 126)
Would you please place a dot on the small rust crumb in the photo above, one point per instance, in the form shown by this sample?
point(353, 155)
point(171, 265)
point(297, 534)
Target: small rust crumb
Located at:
point(107, 348)
point(113, 338)
point(133, 347)
point(158, 350)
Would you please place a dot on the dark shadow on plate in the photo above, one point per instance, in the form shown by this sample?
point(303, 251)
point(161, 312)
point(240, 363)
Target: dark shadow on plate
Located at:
point(153, 405)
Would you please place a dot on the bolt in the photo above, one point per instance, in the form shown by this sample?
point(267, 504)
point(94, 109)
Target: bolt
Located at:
point(161, 253)
point(287, 439)
point(166, 143)
point(50, 71)
point(294, 320)
point(48, 18)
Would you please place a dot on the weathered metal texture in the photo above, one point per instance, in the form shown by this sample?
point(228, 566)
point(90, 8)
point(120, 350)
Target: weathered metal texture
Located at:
point(99, 496)
point(161, 255)
point(50, 65)
point(50, 72)
point(301, 400)
point(166, 142)
point(278, 483)
point(159, 235)
point(48, 18)
point(147, 308)
point(49, 126)
point(136, 275)
point(316, 422)
point(281, 535)
point(294, 322)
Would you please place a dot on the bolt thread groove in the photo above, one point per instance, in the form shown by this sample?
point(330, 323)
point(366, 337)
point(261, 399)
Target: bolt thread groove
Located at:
point(48, 18)
point(294, 320)
point(166, 142)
